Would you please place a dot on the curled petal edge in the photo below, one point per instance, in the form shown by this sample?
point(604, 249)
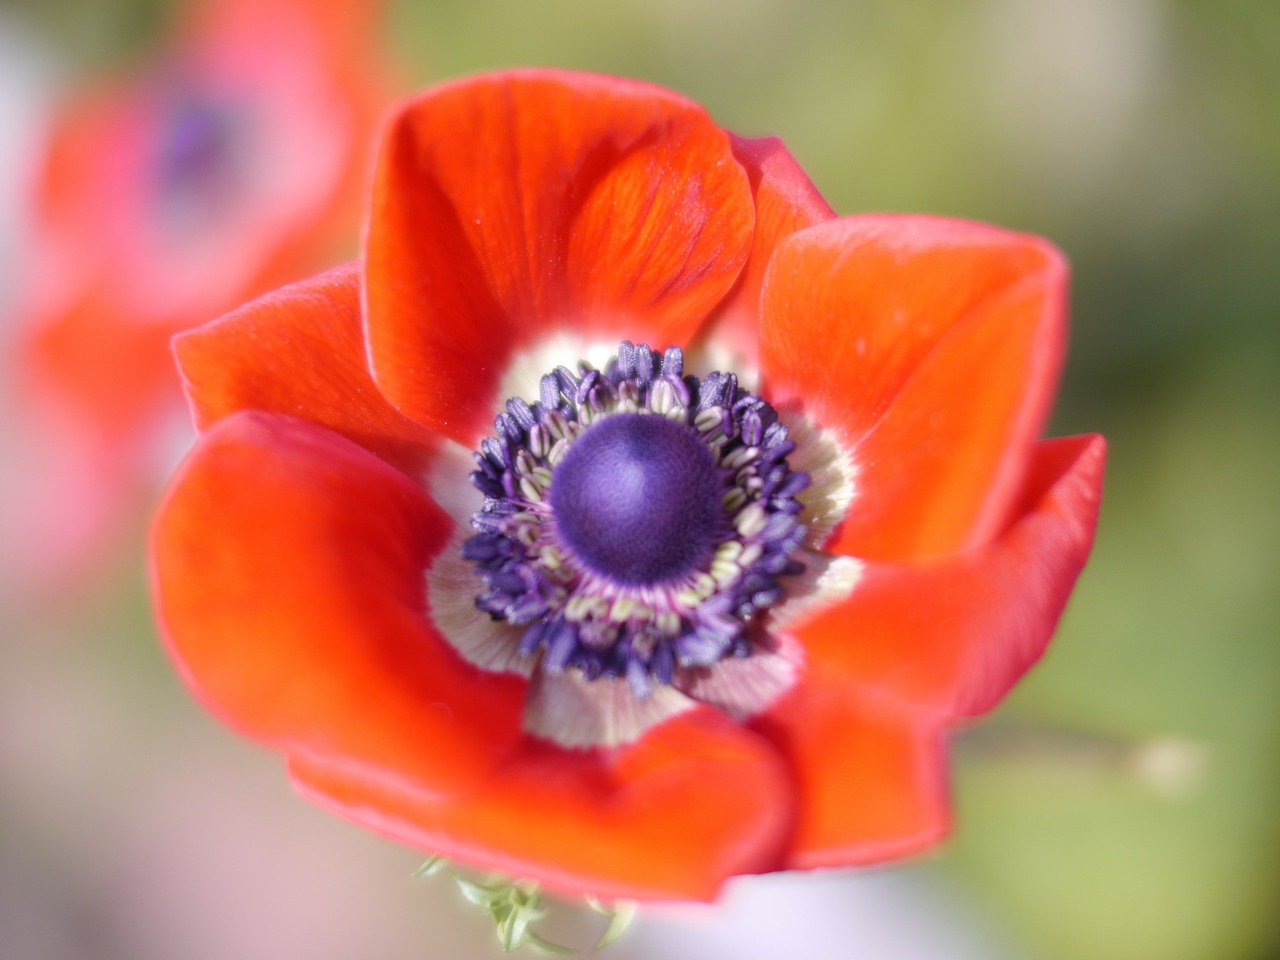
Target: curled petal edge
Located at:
point(671, 817)
point(875, 326)
point(299, 351)
point(571, 171)
point(950, 637)
point(287, 581)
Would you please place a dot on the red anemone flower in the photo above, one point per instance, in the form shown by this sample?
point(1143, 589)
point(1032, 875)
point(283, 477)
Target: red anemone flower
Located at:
point(230, 167)
point(663, 620)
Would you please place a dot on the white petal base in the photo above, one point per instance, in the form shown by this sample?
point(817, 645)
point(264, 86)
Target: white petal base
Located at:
point(743, 687)
point(575, 712)
point(832, 477)
point(451, 582)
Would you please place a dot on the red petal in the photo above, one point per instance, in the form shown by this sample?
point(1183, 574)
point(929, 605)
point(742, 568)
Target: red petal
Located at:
point(288, 575)
point(951, 637)
point(871, 782)
point(693, 802)
point(294, 605)
point(299, 351)
point(931, 348)
point(511, 206)
point(786, 201)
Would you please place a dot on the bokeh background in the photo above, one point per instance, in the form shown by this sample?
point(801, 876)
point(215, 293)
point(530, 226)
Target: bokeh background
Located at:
point(1122, 804)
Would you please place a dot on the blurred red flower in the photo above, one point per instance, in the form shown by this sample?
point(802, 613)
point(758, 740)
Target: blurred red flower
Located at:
point(233, 165)
point(506, 675)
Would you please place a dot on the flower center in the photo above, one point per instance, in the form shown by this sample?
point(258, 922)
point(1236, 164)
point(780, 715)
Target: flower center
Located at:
point(635, 498)
point(197, 158)
point(636, 520)
point(195, 144)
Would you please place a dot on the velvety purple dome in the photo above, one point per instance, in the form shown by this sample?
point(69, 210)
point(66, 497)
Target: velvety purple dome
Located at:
point(636, 498)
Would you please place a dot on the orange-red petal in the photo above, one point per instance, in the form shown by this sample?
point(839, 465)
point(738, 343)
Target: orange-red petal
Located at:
point(299, 351)
point(300, 618)
point(672, 816)
point(871, 781)
point(786, 201)
point(510, 206)
point(950, 637)
point(288, 576)
point(931, 348)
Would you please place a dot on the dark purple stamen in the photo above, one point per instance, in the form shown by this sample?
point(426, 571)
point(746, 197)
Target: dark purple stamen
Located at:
point(636, 520)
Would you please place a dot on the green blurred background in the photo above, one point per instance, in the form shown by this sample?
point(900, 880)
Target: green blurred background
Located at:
point(1124, 802)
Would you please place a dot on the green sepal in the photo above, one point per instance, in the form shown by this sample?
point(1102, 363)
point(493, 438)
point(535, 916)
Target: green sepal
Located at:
point(480, 894)
point(514, 905)
point(547, 947)
point(431, 866)
point(620, 917)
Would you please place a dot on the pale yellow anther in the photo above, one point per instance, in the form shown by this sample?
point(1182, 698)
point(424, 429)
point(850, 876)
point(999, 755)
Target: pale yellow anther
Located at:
point(555, 425)
point(708, 419)
point(751, 520)
point(741, 457)
point(578, 607)
point(661, 397)
point(557, 451)
point(688, 598)
point(725, 573)
point(729, 551)
point(669, 622)
point(563, 574)
point(539, 440)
